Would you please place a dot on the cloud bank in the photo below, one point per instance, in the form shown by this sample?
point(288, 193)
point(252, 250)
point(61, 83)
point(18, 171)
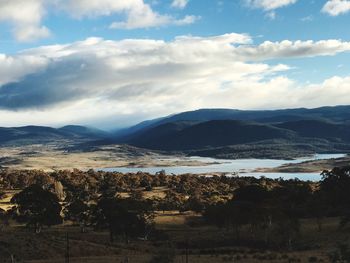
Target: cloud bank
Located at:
point(86, 80)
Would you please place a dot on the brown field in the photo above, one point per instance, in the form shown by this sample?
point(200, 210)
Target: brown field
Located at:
point(206, 243)
point(94, 246)
point(51, 157)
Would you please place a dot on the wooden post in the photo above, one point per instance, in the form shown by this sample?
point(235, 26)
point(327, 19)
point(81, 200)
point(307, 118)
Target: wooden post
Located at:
point(67, 249)
point(186, 250)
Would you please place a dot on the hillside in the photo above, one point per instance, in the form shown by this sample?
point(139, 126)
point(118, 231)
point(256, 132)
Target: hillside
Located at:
point(318, 129)
point(170, 136)
point(234, 139)
point(338, 114)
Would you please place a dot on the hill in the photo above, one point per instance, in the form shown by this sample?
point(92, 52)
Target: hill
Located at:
point(184, 136)
point(318, 129)
point(337, 114)
point(40, 134)
point(234, 139)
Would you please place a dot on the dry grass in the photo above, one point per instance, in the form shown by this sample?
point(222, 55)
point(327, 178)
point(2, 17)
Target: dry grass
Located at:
point(50, 245)
point(5, 202)
point(207, 243)
point(49, 158)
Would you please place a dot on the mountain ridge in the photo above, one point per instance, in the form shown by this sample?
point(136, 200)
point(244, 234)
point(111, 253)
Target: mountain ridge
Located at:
point(327, 113)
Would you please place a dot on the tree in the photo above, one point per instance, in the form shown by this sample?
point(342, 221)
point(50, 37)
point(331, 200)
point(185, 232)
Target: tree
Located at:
point(4, 219)
point(195, 203)
point(78, 212)
point(173, 201)
point(251, 193)
point(37, 207)
point(136, 194)
point(335, 185)
point(77, 208)
point(119, 217)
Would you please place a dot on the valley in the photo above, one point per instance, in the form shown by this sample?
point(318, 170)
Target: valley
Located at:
point(171, 141)
point(168, 189)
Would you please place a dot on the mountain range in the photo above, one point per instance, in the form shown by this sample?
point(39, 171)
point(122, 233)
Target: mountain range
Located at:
point(213, 132)
point(227, 133)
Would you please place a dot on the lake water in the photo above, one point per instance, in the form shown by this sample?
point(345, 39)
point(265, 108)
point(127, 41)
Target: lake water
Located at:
point(244, 167)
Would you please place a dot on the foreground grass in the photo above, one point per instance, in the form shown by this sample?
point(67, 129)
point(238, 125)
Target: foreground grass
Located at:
point(205, 244)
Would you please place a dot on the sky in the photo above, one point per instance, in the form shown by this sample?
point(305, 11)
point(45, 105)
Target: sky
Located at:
point(113, 63)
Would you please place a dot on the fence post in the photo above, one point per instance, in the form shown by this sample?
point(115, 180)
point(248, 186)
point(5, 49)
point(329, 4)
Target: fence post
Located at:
point(67, 249)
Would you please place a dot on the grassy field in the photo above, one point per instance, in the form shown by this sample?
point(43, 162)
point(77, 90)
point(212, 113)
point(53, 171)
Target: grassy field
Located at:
point(205, 244)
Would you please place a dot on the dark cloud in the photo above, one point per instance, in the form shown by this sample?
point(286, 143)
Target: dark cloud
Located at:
point(61, 81)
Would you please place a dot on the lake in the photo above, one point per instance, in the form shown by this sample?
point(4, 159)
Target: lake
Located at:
point(244, 167)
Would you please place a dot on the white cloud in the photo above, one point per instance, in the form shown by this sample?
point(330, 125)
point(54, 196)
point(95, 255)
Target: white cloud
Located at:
point(179, 3)
point(307, 18)
point(336, 7)
point(269, 5)
point(138, 13)
point(82, 81)
point(13, 68)
point(288, 49)
point(271, 15)
point(25, 17)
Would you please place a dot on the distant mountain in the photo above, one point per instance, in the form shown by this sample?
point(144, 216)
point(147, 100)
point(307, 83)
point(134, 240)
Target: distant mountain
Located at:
point(85, 131)
point(229, 133)
point(224, 133)
point(41, 134)
point(338, 114)
point(185, 136)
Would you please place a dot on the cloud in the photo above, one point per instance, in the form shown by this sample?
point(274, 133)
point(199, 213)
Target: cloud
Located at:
point(336, 7)
point(269, 5)
point(147, 20)
point(179, 3)
point(271, 15)
point(13, 68)
point(25, 17)
point(288, 49)
point(138, 13)
point(307, 18)
point(86, 80)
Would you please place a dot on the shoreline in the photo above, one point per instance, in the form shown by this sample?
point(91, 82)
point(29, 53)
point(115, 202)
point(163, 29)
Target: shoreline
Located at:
point(308, 166)
point(48, 158)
